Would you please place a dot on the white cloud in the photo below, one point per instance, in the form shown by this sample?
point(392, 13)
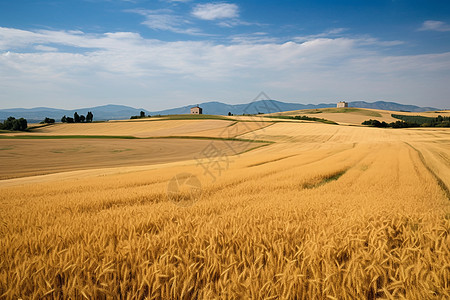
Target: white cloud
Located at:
point(214, 11)
point(123, 65)
point(339, 33)
point(163, 22)
point(166, 20)
point(45, 48)
point(235, 22)
point(253, 38)
point(11, 38)
point(330, 33)
point(368, 41)
point(431, 25)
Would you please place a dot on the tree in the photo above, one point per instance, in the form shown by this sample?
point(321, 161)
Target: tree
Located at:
point(15, 124)
point(376, 123)
point(76, 117)
point(70, 120)
point(82, 118)
point(49, 121)
point(89, 117)
point(64, 119)
point(22, 124)
point(229, 113)
point(8, 124)
point(141, 115)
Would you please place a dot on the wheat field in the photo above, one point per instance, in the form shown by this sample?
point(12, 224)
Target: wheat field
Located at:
point(149, 128)
point(355, 116)
point(323, 212)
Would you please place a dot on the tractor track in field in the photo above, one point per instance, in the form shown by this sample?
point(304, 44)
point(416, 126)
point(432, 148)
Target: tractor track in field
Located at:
point(440, 182)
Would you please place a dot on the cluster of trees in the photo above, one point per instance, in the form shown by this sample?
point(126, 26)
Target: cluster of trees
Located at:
point(383, 124)
point(14, 124)
point(48, 121)
point(411, 121)
point(78, 118)
point(141, 115)
point(439, 121)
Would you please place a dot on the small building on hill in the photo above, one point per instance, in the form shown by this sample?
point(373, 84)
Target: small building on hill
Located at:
point(342, 104)
point(196, 110)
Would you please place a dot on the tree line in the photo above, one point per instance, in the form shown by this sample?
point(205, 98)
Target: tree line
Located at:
point(439, 121)
point(410, 122)
point(78, 118)
point(14, 124)
point(21, 124)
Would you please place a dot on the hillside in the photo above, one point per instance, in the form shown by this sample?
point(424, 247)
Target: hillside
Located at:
point(355, 116)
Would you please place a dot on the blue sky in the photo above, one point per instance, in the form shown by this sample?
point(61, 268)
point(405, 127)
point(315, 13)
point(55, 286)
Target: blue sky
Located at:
point(165, 53)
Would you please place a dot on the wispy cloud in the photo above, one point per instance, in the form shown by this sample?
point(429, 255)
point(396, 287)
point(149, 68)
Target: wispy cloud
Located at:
point(166, 20)
point(340, 33)
point(45, 48)
point(236, 22)
point(11, 38)
point(431, 25)
point(253, 38)
point(176, 1)
point(226, 14)
point(370, 41)
point(335, 32)
point(215, 11)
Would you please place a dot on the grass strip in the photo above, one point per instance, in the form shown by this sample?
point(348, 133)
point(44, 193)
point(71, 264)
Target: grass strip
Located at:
point(57, 137)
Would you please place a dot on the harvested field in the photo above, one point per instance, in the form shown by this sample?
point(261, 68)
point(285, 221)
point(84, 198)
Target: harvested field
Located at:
point(19, 158)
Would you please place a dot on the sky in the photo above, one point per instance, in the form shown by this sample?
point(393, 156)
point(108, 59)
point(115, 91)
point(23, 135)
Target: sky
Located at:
point(162, 54)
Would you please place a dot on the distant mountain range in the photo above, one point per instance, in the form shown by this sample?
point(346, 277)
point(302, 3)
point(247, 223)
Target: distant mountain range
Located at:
point(120, 112)
point(270, 106)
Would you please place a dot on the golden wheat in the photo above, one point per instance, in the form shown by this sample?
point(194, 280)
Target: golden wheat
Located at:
point(357, 116)
point(153, 128)
point(326, 212)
